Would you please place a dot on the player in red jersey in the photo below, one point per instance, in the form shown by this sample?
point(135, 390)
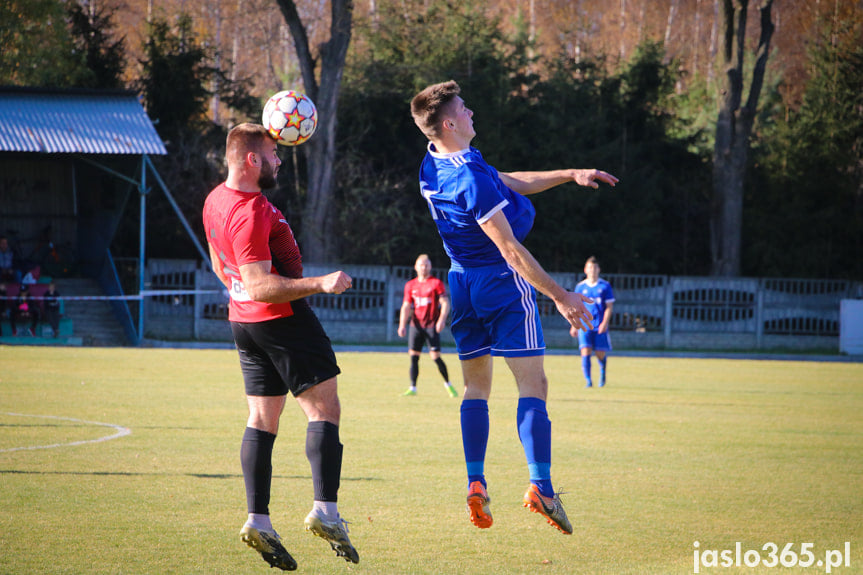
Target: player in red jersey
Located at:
point(282, 345)
point(426, 307)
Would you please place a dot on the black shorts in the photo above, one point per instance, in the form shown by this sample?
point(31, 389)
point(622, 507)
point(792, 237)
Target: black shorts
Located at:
point(417, 336)
point(285, 354)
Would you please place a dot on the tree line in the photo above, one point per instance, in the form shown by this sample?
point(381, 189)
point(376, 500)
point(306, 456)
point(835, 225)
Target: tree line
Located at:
point(635, 112)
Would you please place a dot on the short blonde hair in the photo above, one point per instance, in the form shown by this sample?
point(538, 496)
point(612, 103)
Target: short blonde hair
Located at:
point(429, 106)
point(242, 139)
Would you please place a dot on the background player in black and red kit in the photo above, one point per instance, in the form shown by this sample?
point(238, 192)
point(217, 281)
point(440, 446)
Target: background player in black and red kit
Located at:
point(281, 343)
point(425, 307)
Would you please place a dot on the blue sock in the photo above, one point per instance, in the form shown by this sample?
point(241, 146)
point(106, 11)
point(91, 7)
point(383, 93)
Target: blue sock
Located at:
point(474, 436)
point(602, 367)
point(585, 366)
point(534, 431)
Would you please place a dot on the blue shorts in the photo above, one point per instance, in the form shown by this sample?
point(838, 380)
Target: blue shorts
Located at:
point(494, 312)
point(594, 339)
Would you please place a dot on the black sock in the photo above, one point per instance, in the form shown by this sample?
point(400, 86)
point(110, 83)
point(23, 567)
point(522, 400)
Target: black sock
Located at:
point(325, 456)
point(256, 457)
point(415, 369)
point(442, 367)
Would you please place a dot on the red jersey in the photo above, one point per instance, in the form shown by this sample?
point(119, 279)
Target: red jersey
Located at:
point(425, 297)
point(244, 228)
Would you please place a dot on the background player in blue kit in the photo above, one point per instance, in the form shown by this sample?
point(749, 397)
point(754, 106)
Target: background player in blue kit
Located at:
point(595, 339)
point(482, 216)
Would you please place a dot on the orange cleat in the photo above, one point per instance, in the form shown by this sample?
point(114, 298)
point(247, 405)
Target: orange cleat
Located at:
point(477, 505)
point(549, 507)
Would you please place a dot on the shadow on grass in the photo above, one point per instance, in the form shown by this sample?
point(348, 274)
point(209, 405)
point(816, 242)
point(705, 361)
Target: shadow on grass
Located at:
point(144, 474)
point(70, 424)
point(88, 424)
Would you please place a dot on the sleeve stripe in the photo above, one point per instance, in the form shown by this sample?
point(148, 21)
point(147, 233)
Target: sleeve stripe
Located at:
point(492, 212)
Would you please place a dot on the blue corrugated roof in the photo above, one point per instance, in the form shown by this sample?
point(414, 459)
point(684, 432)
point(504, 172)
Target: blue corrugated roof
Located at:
point(65, 122)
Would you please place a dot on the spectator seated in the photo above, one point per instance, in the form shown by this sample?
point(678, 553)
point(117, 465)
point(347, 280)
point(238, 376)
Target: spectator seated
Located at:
point(37, 290)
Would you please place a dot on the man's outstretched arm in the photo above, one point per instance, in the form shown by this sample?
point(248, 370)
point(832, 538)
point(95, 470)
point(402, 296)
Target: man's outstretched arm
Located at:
point(526, 183)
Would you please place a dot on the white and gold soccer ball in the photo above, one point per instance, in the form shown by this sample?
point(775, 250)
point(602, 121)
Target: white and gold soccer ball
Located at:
point(290, 117)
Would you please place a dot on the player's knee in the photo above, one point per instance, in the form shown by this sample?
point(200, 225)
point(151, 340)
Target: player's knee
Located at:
point(268, 422)
point(321, 402)
point(326, 411)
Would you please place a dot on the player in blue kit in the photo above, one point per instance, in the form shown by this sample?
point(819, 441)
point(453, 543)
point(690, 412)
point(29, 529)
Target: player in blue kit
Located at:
point(482, 216)
point(595, 339)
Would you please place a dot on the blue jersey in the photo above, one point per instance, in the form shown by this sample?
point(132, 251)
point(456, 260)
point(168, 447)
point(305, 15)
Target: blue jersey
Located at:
point(463, 191)
point(601, 294)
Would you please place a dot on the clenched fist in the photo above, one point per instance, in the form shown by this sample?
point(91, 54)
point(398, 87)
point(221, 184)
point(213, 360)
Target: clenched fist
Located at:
point(336, 282)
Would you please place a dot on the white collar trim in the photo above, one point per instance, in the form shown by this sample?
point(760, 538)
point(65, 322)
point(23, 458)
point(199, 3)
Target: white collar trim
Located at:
point(436, 154)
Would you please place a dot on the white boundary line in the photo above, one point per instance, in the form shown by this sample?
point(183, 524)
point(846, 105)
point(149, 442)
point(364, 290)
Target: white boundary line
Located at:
point(121, 431)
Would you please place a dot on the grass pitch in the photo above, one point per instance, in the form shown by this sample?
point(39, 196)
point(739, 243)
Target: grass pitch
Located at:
point(671, 452)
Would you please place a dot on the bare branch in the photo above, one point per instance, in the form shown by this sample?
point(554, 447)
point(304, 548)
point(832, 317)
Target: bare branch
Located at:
point(301, 44)
point(743, 10)
point(728, 28)
point(761, 60)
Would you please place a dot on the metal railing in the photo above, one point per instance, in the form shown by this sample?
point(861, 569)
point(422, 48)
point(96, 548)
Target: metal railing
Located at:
point(643, 303)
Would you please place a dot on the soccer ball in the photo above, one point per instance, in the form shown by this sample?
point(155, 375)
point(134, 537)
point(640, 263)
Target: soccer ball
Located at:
point(290, 117)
